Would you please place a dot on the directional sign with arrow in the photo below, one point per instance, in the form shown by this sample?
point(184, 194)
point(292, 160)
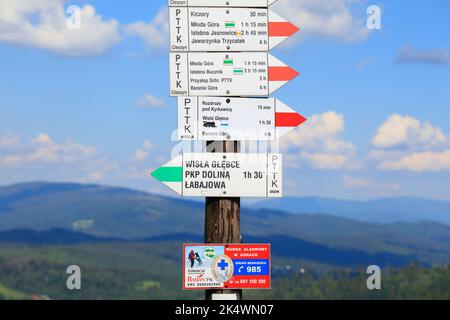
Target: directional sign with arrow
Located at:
point(222, 3)
point(227, 74)
point(218, 118)
point(224, 175)
point(226, 29)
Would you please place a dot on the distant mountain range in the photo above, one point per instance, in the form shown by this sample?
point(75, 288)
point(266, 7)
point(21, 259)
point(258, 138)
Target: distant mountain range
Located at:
point(46, 213)
point(389, 210)
point(282, 246)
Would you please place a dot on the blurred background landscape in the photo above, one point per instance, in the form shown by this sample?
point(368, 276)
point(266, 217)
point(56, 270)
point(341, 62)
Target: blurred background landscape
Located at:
point(128, 244)
point(366, 178)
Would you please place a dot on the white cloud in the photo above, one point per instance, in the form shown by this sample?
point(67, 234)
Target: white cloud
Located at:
point(43, 24)
point(42, 157)
point(147, 144)
point(143, 153)
point(407, 132)
point(96, 176)
point(366, 62)
point(9, 141)
point(150, 101)
point(321, 131)
point(403, 143)
point(155, 33)
point(352, 182)
point(43, 150)
point(419, 162)
point(319, 144)
point(361, 183)
point(326, 161)
point(410, 54)
point(325, 18)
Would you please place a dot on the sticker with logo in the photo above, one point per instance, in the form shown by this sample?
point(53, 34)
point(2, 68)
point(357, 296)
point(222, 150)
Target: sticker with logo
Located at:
point(229, 266)
point(210, 253)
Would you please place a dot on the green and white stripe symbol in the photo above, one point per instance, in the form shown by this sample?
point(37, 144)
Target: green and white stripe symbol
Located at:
point(230, 24)
point(238, 71)
point(228, 62)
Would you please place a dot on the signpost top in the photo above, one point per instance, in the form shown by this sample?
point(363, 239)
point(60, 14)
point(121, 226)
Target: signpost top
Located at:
point(204, 29)
point(222, 3)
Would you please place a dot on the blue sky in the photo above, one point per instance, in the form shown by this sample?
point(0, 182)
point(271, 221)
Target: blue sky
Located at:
point(93, 105)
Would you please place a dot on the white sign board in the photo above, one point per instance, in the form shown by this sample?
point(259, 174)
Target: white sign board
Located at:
point(226, 29)
point(224, 175)
point(227, 74)
point(219, 118)
point(222, 3)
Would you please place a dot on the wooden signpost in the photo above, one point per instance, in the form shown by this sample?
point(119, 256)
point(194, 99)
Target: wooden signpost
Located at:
point(222, 73)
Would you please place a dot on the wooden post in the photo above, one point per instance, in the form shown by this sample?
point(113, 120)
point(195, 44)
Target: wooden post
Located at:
point(223, 215)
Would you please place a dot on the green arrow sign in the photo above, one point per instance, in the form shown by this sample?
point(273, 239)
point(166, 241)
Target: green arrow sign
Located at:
point(168, 174)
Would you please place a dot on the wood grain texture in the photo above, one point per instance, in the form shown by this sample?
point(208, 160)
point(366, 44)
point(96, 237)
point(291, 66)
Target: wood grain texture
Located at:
point(223, 215)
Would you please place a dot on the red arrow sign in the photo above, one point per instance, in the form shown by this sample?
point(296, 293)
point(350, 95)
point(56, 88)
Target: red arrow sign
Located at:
point(288, 119)
point(284, 73)
point(282, 29)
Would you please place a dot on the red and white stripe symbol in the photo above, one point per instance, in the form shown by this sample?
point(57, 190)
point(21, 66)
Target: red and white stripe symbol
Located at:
point(279, 29)
point(286, 119)
point(279, 74)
